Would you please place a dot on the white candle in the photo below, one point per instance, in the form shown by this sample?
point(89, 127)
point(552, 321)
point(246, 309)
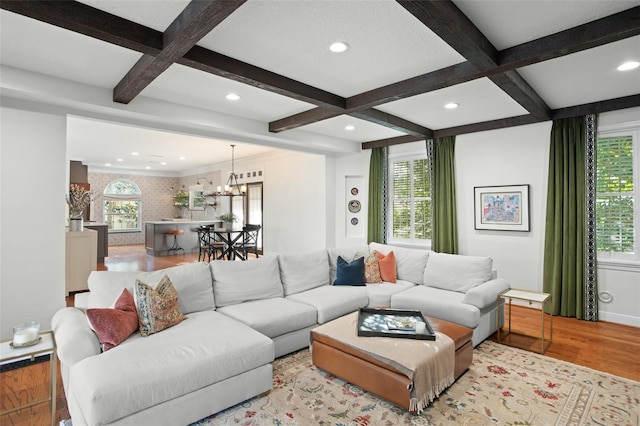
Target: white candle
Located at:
point(420, 327)
point(27, 335)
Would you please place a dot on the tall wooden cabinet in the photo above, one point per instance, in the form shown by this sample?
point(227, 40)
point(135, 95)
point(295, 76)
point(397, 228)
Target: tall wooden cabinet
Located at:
point(81, 258)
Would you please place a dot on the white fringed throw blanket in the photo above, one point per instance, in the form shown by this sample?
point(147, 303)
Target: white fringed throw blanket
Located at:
point(428, 364)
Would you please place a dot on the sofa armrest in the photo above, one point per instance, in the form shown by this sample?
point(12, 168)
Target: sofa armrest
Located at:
point(486, 294)
point(74, 338)
point(81, 300)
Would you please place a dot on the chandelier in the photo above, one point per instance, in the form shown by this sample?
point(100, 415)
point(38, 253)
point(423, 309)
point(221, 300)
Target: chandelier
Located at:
point(232, 187)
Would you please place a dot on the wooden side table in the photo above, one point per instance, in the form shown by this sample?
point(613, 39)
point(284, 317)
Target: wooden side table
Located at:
point(531, 297)
point(46, 346)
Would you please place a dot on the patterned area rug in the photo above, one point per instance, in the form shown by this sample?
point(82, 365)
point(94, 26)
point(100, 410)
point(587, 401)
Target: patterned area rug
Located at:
point(504, 386)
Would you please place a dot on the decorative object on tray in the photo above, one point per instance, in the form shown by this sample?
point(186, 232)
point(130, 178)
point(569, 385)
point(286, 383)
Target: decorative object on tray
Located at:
point(78, 200)
point(401, 323)
point(502, 208)
point(26, 334)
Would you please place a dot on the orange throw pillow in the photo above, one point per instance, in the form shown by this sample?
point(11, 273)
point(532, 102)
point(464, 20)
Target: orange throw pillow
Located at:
point(387, 266)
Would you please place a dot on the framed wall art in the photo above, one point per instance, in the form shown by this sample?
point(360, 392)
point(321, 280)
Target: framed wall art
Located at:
point(502, 208)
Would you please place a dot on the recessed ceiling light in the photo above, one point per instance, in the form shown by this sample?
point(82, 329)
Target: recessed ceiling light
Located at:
point(183, 158)
point(163, 163)
point(630, 65)
point(339, 47)
point(135, 153)
point(451, 105)
point(107, 164)
point(148, 168)
point(232, 96)
point(350, 127)
point(119, 159)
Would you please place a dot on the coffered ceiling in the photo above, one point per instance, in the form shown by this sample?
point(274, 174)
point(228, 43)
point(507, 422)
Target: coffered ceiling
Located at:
point(167, 65)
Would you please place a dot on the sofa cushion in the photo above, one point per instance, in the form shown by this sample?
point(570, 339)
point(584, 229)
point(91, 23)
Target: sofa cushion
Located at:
point(470, 271)
point(380, 294)
point(347, 253)
point(300, 272)
point(237, 282)
point(372, 269)
point(272, 317)
point(206, 348)
point(332, 302)
point(387, 266)
point(438, 303)
point(158, 308)
point(114, 325)
point(410, 263)
point(350, 273)
point(192, 282)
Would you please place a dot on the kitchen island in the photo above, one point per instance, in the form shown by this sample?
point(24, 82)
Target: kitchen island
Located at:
point(157, 242)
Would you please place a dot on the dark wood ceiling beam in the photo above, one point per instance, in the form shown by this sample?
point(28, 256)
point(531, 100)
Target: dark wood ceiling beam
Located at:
point(87, 20)
point(398, 140)
point(224, 66)
point(596, 33)
point(391, 121)
point(451, 25)
point(568, 112)
point(195, 21)
point(515, 86)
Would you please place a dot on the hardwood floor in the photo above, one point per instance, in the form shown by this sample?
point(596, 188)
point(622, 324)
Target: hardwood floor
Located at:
point(604, 346)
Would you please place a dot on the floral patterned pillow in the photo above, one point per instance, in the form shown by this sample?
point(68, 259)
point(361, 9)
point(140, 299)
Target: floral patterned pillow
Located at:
point(372, 269)
point(158, 308)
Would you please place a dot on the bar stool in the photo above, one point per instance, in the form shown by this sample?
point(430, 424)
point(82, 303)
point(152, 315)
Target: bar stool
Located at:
point(175, 247)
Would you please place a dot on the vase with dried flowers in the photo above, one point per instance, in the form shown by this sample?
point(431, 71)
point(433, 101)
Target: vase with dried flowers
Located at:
point(78, 200)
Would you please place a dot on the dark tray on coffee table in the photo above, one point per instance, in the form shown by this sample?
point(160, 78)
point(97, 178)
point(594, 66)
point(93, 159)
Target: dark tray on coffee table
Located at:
point(376, 322)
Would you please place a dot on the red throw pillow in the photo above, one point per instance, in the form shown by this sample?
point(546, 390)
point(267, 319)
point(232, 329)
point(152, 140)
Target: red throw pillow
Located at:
point(387, 266)
point(113, 326)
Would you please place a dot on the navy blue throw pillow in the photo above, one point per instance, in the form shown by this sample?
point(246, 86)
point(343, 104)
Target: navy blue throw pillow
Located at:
point(350, 273)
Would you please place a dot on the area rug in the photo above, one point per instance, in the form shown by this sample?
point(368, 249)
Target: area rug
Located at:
point(504, 386)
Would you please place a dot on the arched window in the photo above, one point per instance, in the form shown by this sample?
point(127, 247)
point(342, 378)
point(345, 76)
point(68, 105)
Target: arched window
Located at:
point(123, 206)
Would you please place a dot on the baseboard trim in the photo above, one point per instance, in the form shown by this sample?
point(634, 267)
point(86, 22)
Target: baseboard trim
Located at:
point(619, 318)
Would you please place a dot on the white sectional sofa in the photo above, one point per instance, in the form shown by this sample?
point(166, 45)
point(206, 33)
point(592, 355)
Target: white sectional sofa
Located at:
point(240, 316)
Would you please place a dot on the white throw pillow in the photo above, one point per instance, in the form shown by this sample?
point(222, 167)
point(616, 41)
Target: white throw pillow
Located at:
point(456, 272)
point(301, 272)
point(237, 282)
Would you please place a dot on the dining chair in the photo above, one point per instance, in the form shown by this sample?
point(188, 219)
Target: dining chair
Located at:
point(207, 246)
point(249, 240)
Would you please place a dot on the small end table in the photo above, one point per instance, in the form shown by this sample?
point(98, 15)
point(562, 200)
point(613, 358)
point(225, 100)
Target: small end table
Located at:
point(46, 346)
point(531, 297)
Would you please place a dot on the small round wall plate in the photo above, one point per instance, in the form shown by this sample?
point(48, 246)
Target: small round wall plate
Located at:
point(354, 191)
point(354, 221)
point(354, 206)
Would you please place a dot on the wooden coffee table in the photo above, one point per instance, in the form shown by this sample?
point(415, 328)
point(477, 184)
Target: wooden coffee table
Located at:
point(376, 376)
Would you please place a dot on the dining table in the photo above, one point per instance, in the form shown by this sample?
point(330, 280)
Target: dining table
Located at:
point(229, 237)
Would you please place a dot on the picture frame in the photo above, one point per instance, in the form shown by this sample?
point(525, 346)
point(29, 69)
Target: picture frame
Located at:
point(502, 208)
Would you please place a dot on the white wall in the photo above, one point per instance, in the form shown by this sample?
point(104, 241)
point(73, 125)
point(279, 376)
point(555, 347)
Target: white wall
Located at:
point(32, 217)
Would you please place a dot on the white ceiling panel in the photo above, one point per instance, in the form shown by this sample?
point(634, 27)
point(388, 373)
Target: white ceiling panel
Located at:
point(292, 38)
point(156, 14)
point(39, 47)
point(586, 76)
point(198, 89)
point(478, 100)
point(363, 130)
point(513, 22)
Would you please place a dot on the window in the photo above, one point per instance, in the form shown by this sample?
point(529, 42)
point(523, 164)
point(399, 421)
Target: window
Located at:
point(410, 200)
point(617, 193)
point(122, 206)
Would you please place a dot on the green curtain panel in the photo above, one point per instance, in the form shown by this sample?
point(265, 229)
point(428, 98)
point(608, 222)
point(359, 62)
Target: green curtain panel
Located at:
point(564, 247)
point(377, 182)
point(445, 222)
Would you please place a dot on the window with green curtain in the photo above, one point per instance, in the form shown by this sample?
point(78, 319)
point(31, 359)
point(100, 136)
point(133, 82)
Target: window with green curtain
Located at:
point(410, 200)
point(616, 196)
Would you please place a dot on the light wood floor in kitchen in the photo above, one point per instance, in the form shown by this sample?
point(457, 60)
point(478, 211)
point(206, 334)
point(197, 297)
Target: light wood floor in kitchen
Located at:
point(603, 346)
